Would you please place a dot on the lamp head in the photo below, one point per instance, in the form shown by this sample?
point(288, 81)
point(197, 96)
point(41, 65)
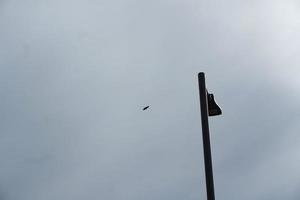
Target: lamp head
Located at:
point(213, 108)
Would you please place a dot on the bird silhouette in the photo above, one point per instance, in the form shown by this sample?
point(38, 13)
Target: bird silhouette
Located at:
point(145, 108)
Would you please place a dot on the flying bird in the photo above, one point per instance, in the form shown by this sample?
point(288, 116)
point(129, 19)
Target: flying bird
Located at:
point(145, 108)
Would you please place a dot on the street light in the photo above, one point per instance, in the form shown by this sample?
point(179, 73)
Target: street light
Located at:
point(208, 107)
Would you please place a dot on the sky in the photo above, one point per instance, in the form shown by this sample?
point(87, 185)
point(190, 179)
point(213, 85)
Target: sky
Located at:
point(75, 75)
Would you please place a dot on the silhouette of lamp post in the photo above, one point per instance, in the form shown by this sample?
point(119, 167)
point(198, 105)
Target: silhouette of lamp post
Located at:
point(208, 107)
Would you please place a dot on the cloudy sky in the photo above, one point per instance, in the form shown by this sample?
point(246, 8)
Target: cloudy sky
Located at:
point(74, 76)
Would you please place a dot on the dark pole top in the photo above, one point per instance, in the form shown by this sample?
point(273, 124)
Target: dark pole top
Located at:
point(206, 138)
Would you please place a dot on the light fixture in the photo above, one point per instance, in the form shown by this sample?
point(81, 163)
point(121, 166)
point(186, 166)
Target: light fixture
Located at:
point(213, 108)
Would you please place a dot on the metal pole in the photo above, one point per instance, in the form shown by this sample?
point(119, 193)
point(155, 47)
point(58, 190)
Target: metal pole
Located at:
point(206, 139)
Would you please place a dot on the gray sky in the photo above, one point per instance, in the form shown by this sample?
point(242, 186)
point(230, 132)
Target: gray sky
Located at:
point(74, 76)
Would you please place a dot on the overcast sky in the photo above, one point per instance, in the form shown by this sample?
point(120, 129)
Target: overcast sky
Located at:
point(75, 75)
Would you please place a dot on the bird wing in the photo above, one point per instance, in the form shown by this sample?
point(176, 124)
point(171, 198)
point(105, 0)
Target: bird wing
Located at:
point(145, 107)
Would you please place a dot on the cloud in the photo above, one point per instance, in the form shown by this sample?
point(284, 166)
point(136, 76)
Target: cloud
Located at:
point(75, 75)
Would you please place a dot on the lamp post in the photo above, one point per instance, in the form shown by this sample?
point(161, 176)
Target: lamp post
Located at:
point(208, 108)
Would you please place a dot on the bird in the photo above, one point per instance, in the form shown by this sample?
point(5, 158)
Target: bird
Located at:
point(145, 108)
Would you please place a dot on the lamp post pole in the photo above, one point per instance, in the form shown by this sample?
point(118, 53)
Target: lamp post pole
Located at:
point(206, 138)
